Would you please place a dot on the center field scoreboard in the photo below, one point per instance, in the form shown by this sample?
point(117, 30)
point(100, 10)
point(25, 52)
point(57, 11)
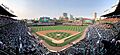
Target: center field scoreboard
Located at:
point(44, 19)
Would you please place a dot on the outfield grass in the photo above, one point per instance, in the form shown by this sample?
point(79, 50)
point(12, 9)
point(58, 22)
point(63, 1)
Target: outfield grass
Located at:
point(71, 28)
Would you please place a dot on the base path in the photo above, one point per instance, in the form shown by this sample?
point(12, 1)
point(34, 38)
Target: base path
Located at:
point(58, 49)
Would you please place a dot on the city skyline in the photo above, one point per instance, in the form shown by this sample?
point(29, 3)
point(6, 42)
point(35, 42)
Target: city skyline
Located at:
point(55, 8)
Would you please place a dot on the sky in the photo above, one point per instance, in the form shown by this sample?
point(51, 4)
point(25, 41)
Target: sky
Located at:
point(29, 9)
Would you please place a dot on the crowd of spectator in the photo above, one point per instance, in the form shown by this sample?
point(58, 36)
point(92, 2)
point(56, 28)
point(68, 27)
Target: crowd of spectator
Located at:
point(5, 20)
point(16, 39)
point(105, 25)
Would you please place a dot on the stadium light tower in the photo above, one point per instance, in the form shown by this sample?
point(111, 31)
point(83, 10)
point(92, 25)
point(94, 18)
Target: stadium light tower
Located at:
point(94, 16)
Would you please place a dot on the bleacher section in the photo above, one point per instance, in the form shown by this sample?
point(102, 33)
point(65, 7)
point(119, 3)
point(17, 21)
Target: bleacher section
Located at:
point(14, 37)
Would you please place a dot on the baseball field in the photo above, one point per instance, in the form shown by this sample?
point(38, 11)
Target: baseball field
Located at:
point(58, 36)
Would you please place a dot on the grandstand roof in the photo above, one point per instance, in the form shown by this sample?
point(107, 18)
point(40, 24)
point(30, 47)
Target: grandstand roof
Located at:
point(115, 13)
point(4, 12)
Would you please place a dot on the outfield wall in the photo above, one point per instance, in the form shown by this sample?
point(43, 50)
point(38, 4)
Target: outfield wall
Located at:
point(55, 23)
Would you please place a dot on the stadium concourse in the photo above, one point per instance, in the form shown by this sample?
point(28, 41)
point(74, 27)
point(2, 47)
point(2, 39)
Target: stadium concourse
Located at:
point(16, 39)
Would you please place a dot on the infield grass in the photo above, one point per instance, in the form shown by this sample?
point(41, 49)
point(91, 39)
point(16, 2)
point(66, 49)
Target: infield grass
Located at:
point(58, 35)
